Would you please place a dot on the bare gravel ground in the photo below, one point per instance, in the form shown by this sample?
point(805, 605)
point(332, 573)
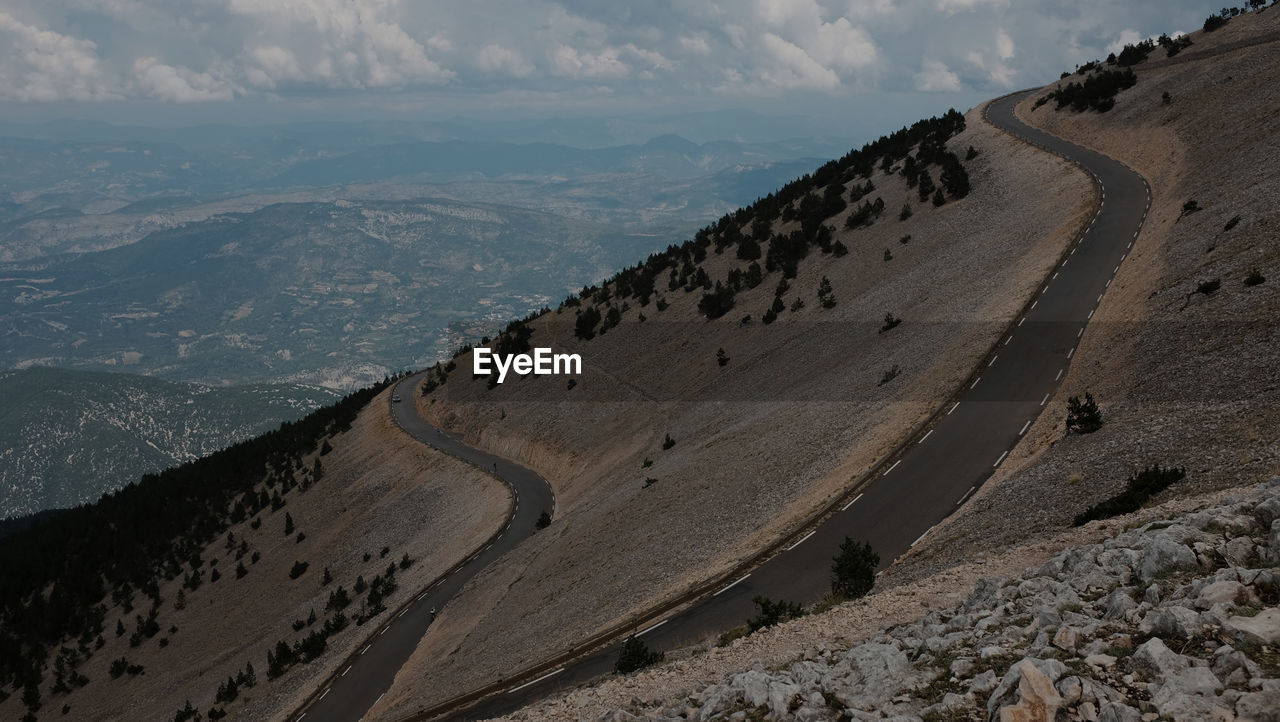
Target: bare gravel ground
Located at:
point(1184, 378)
point(796, 414)
point(380, 489)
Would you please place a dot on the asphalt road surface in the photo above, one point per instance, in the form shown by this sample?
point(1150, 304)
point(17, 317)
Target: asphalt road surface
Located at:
point(915, 490)
point(362, 680)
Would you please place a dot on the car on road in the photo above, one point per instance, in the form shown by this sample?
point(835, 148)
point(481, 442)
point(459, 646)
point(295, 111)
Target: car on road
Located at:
point(395, 399)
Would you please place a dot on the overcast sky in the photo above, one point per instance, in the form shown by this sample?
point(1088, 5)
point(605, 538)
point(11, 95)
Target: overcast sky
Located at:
point(138, 60)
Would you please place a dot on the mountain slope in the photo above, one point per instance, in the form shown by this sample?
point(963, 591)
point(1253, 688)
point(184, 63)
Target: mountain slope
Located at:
point(801, 406)
point(67, 437)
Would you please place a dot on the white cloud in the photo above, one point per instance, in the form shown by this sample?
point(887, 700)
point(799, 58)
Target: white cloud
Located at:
point(793, 68)
point(1127, 37)
point(38, 65)
point(936, 77)
point(178, 84)
point(498, 59)
point(569, 62)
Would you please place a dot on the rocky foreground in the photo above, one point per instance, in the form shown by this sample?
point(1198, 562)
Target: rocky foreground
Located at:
point(1172, 620)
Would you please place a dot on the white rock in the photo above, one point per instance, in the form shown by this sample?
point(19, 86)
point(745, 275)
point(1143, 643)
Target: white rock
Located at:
point(1162, 555)
point(1155, 661)
point(1264, 628)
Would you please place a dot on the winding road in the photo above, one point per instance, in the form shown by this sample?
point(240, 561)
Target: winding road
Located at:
point(893, 507)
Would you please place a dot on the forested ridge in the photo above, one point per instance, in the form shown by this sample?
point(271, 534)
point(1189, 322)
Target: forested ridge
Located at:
point(58, 572)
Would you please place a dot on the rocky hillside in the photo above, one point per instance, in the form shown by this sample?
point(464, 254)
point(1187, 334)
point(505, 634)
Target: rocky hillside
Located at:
point(1174, 619)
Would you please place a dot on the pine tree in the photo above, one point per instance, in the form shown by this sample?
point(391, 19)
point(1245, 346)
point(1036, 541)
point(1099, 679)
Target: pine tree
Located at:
point(853, 570)
point(636, 655)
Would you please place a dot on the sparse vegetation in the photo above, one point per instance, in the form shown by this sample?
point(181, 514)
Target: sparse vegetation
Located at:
point(772, 612)
point(636, 655)
point(1209, 287)
point(722, 359)
point(544, 521)
point(1231, 223)
point(298, 569)
point(1083, 417)
point(1097, 92)
point(890, 323)
point(1255, 278)
point(889, 375)
point(1191, 206)
point(853, 570)
point(905, 213)
point(1138, 490)
point(668, 442)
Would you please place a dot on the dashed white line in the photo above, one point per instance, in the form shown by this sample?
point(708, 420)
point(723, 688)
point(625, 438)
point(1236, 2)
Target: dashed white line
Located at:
point(993, 361)
point(1024, 428)
point(402, 612)
point(1080, 332)
point(997, 464)
point(846, 506)
point(366, 648)
point(891, 468)
point(1090, 316)
point(543, 678)
point(1099, 298)
point(927, 435)
point(966, 495)
point(384, 631)
point(1033, 304)
point(975, 382)
point(1045, 290)
point(344, 672)
point(326, 693)
point(652, 627)
point(1022, 321)
point(1055, 276)
point(1045, 400)
point(953, 407)
point(1055, 378)
point(731, 585)
point(802, 540)
point(1073, 350)
point(1109, 280)
point(379, 699)
point(1007, 340)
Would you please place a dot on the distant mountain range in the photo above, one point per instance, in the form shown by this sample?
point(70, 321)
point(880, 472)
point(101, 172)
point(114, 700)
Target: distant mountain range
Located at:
point(67, 437)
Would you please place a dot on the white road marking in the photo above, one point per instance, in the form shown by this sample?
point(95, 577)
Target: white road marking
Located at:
point(348, 669)
point(1024, 428)
point(846, 506)
point(1033, 304)
point(1045, 400)
point(1007, 340)
point(993, 361)
point(1070, 352)
point(326, 693)
point(731, 585)
point(1099, 298)
point(891, 468)
point(1045, 290)
point(653, 627)
point(1090, 316)
point(366, 648)
point(927, 435)
point(926, 533)
point(384, 631)
point(379, 699)
point(953, 408)
point(1080, 332)
point(1022, 321)
point(802, 540)
point(975, 382)
point(543, 678)
point(402, 612)
point(966, 495)
point(1108, 283)
point(997, 464)
point(1064, 262)
point(1055, 378)
point(1055, 276)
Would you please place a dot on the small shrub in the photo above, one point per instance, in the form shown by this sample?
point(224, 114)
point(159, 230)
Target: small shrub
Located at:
point(634, 655)
point(905, 213)
point(722, 359)
point(905, 239)
point(1214, 22)
point(1189, 207)
point(668, 442)
point(971, 154)
point(889, 375)
point(1209, 287)
point(890, 323)
point(647, 463)
point(1165, 98)
point(1083, 417)
point(853, 570)
point(1138, 490)
point(797, 304)
point(1255, 278)
point(1231, 223)
point(888, 255)
point(772, 613)
point(938, 198)
point(649, 481)
point(299, 568)
point(544, 521)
